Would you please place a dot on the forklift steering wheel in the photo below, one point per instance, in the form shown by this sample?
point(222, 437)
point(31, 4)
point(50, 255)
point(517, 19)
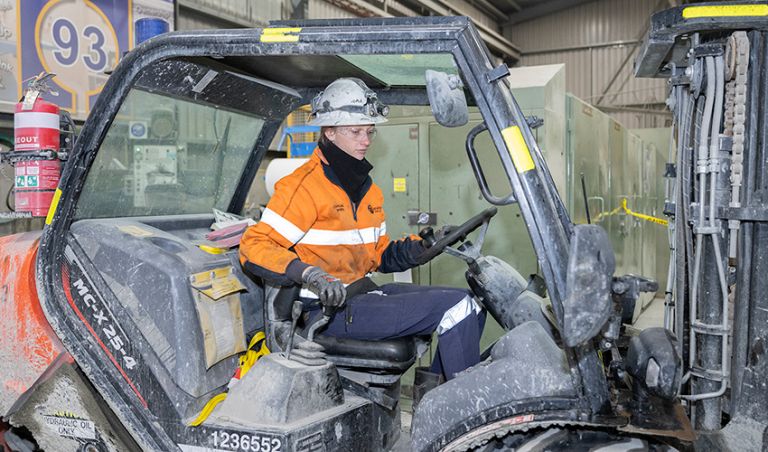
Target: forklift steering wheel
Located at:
point(457, 234)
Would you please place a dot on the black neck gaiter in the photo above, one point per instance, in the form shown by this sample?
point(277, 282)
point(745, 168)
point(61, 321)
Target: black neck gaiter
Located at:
point(352, 173)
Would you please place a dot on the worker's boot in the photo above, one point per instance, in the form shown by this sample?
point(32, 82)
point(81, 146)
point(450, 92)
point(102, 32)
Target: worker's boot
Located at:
point(424, 381)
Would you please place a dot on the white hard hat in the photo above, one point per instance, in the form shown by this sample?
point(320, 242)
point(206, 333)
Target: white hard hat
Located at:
point(347, 102)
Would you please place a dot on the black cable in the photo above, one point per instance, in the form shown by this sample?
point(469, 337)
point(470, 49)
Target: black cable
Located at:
point(586, 200)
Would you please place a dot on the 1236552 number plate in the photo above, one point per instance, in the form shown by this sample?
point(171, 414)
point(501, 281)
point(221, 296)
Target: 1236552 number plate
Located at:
point(246, 442)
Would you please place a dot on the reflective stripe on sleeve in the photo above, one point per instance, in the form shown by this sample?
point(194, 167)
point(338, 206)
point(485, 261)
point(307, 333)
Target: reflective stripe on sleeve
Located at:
point(347, 237)
point(457, 313)
point(284, 227)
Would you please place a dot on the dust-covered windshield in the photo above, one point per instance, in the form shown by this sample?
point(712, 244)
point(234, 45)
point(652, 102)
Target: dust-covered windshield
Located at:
point(166, 156)
point(403, 69)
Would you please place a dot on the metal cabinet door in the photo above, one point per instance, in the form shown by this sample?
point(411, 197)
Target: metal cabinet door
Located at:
point(394, 155)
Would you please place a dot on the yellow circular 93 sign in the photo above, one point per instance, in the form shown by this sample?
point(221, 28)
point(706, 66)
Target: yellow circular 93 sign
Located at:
point(75, 40)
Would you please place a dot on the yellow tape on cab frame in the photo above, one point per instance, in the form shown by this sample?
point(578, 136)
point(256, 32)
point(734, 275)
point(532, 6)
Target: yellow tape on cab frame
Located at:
point(696, 12)
point(518, 150)
point(54, 205)
point(280, 35)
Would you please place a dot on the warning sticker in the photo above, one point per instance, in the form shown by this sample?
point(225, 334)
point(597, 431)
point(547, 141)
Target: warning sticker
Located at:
point(72, 427)
point(21, 181)
point(32, 181)
point(217, 282)
point(400, 185)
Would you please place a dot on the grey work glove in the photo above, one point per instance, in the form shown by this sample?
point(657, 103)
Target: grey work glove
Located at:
point(329, 288)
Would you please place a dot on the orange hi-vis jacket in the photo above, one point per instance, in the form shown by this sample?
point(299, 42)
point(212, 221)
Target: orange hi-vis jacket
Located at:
point(311, 218)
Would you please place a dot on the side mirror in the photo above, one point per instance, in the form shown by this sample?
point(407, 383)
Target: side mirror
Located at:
point(446, 97)
point(588, 305)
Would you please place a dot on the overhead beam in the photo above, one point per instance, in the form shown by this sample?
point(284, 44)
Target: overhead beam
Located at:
point(495, 40)
point(489, 7)
point(395, 5)
point(360, 7)
point(543, 8)
point(514, 5)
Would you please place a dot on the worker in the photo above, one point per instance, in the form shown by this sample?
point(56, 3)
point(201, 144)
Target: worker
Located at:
point(324, 228)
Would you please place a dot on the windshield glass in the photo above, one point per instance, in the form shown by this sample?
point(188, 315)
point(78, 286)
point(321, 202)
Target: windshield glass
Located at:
point(405, 69)
point(166, 156)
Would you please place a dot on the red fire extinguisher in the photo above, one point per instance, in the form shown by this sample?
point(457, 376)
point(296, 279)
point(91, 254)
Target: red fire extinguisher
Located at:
point(36, 157)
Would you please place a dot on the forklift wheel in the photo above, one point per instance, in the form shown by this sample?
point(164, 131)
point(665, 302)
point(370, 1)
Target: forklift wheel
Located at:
point(570, 439)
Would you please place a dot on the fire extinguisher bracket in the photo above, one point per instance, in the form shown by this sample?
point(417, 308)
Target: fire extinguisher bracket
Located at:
point(25, 156)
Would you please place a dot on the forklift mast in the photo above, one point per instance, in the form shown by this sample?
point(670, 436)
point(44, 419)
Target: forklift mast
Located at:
point(715, 56)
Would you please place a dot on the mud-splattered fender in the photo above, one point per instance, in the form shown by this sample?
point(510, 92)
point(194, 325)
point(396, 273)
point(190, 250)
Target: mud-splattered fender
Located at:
point(28, 345)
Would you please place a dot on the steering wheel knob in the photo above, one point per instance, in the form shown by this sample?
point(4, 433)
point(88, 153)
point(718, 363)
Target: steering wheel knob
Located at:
point(428, 235)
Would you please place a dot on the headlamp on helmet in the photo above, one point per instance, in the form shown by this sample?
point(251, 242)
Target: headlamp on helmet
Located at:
point(346, 102)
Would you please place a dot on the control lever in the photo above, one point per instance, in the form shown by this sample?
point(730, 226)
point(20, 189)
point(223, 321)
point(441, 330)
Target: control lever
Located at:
point(327, 315)
point(296, 310)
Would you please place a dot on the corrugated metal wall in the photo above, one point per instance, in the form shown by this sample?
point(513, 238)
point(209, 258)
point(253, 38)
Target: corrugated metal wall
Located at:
point(329, 9)
point(321, 9)
point(195, 20)
point(579, 37)
point(200, 14)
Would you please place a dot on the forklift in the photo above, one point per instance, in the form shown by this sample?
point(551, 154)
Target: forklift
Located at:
point(122, 323)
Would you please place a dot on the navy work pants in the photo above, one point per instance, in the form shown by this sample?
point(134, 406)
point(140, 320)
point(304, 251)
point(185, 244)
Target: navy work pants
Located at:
point(401, 310)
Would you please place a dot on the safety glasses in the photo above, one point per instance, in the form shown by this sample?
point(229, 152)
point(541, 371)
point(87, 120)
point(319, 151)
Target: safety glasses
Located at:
point(357, 133)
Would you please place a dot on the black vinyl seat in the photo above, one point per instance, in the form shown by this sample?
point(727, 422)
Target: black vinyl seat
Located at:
point(384, 356)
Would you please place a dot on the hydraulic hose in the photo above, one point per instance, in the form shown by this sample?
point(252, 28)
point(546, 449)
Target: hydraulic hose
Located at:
point(701, 170)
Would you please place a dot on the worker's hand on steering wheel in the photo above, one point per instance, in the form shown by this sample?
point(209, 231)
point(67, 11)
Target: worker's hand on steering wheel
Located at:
point(329, 288)
point(440, 233)
point(429, 236)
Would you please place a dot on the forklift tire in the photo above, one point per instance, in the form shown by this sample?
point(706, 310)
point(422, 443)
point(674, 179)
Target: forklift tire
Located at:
point(570, 439)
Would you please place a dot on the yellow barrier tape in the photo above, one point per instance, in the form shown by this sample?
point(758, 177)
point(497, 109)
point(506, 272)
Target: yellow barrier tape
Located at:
point(624, 209)
point(54, 205)
point(247, 360)
point(696, 12)
point(518, 150)
point(642, 216)
point(602, 215)
point(280, 35)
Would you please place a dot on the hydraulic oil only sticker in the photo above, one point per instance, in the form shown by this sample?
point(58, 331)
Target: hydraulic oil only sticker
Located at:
point(73, 427)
